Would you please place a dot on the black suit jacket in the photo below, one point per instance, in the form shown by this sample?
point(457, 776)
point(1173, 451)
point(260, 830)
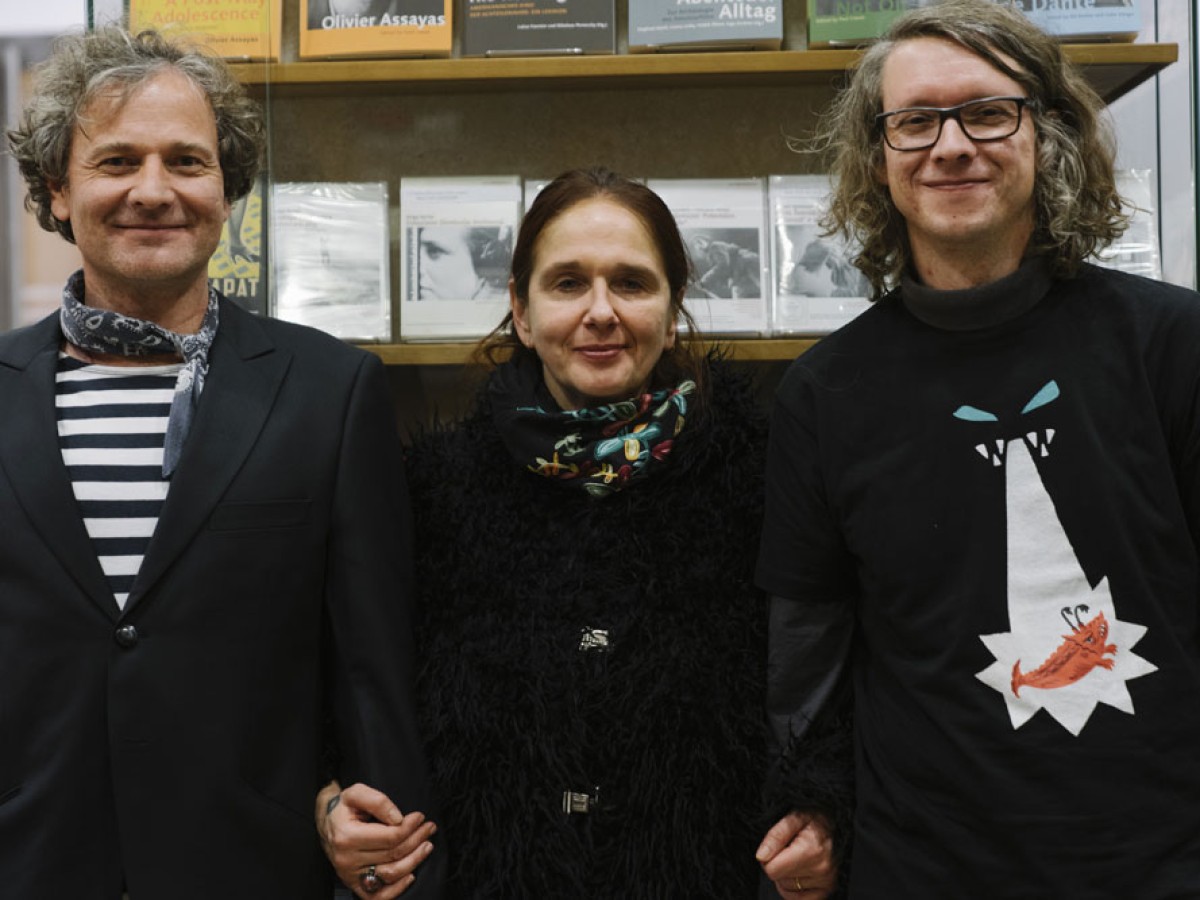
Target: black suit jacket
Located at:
point(185, 754)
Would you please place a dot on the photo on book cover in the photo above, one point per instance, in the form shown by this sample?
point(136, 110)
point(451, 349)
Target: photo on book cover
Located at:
point(723, 224)
point(817, 287)
point(326, 14)
point(460, 262)
point(456, 246)
point(329, 257)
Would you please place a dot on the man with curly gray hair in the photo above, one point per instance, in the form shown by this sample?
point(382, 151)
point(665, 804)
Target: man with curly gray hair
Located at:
point(205, 581)
point(983, 501)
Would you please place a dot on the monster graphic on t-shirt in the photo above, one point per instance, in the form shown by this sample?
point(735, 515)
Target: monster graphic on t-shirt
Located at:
point(1066, 650)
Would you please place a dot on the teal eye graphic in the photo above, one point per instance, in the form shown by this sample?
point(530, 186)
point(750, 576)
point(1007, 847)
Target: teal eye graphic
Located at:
point(974, 414)
point(1048, 394)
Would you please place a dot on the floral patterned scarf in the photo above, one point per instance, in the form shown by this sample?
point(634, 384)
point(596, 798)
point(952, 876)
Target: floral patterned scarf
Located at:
point(600, 449)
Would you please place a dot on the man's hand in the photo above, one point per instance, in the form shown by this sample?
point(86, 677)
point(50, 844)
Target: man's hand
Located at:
point(797, 855)
point(363, 832)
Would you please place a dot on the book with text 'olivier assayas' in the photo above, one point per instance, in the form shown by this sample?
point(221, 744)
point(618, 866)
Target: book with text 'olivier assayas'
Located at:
point(333, 29)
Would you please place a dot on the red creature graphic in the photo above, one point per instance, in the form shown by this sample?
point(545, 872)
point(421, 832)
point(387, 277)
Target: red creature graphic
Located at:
point(1080, 652)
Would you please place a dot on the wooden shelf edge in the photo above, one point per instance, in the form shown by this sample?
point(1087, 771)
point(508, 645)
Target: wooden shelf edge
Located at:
point(457, 354)
point(1132, 63)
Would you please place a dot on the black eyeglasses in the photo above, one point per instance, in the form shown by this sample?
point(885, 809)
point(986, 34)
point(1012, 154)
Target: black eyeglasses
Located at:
point(919, 127)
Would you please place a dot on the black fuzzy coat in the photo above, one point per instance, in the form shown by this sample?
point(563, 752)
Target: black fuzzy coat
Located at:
point(667, 722)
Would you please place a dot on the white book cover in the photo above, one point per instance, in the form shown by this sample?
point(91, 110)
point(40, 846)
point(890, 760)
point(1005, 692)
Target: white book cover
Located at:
point(723, 223)
point(106, 12)
point(1074, 20)
point(816, 286)
point(457, 238)
point(1137, 250)
point(531, 187)
point(329, 254)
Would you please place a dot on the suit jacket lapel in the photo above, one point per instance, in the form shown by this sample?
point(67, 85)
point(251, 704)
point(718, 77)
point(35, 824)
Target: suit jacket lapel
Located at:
point(245, 372)
point(31, 458)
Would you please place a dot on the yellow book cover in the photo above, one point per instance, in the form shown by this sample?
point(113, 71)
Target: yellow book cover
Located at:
point(234, 29)
point(238, 267)
point(375, 28)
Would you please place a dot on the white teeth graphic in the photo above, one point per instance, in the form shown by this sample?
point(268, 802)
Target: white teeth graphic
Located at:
point(1040, 443)
point(996, 456)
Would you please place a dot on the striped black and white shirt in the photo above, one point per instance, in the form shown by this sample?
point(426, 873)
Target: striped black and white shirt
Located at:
point(111, 422)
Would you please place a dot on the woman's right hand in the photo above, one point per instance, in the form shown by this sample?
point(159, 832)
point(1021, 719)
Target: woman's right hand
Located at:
point(364, 833)
point(797, 855)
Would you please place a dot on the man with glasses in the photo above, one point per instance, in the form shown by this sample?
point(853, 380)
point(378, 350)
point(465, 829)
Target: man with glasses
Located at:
point(984, 501)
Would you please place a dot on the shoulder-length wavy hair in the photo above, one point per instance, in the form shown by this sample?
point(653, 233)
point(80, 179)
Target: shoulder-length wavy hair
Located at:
point(110, 60)
point(1077, 207)
point(687, 358)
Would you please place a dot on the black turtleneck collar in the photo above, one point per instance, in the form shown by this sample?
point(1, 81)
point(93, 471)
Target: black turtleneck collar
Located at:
point(979, 307)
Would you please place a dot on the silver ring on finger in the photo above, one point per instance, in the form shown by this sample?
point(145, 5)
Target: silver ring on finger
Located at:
point(370, 882)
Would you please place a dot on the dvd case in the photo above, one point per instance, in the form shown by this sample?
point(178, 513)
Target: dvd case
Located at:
point(816, 287)
point(1137, 250)
point(723, 223)
point(456, 247)
point(329, 243)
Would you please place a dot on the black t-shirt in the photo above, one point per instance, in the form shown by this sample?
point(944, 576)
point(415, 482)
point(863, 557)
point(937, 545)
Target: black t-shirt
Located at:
point(1006, 484)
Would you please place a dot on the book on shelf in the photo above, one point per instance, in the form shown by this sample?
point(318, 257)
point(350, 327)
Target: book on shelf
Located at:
point(530, 188)
point(238, 268)
point(106, 12)
point(333, 29)
point(850, 23)
point(1137, 250)
point(234, 29)
point(659, 25)
point(815, 285)
point(329, 257)
point(1085, 20)
point(456, 247)
point(723, 224)
point(537, 27)
point(835, 23)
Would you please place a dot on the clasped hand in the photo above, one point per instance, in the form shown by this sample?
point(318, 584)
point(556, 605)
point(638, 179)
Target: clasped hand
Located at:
point(361, 828)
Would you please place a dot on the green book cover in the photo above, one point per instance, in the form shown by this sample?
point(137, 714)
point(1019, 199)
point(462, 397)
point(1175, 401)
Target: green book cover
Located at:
point(853, 22)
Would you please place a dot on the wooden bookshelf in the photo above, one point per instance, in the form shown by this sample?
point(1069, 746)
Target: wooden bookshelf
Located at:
point(457, 354)
point(1113, 69)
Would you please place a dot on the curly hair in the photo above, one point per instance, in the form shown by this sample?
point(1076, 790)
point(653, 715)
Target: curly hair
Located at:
point(110, 60)
point(687, 359)
point(1077, 207)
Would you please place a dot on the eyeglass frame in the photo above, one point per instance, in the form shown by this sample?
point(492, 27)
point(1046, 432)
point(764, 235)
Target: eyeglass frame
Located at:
point(955, 113)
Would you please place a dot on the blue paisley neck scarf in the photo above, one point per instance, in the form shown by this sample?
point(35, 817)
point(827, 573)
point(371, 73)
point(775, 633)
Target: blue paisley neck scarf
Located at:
point(600, 449)
point(104, 331)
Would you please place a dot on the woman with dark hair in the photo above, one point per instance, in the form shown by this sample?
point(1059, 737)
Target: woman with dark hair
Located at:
point(592, 648)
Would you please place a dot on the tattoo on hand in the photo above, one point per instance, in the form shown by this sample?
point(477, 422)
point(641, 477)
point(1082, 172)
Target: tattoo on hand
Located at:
point(332, 804)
